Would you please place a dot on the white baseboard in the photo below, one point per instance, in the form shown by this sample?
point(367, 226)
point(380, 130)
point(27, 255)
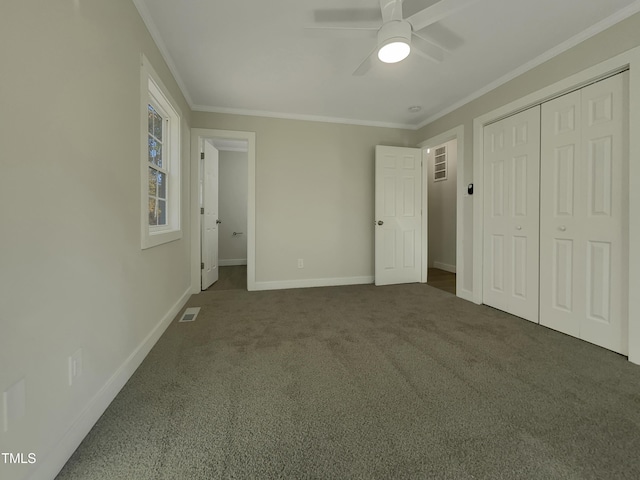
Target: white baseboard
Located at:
point(445, 266)
point(55, 460)
point(314, 282)
point(232, 262)
point(465, 295)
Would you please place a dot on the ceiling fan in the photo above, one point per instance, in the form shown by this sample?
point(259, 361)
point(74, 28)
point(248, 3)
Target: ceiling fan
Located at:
point(397, 36)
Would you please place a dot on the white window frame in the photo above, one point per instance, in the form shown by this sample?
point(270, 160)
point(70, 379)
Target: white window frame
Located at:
point(153, 91)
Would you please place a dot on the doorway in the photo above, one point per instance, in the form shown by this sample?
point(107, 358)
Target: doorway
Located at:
point(441, 172)
point(235, 254)
point(555, 213)
point(232, 208)
point(447, 196)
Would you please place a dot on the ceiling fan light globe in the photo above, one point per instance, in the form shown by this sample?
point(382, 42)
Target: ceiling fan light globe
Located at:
point(394, 52)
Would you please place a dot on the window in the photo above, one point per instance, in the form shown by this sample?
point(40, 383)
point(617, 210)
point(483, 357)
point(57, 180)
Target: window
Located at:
point(440, 164)
point(160, 171)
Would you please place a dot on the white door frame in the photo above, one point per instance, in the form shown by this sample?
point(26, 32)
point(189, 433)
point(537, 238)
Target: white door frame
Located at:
point(197, 137)
point(631, 60)
point(457, 134)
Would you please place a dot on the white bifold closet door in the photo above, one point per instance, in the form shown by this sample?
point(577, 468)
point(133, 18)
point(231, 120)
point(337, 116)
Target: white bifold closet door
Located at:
point(511, 214)
point(582, 212)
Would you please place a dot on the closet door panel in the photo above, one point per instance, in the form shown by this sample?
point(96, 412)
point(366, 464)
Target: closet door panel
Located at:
point(511, 214)
point(604, 114)
point(582, 214)
point(560, 210)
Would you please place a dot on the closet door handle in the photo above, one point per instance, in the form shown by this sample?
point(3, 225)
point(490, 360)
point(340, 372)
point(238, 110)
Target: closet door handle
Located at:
point(562, 228)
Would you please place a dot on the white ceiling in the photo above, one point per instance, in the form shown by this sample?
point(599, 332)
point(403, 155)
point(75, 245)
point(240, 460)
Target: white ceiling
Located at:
point(256, 57)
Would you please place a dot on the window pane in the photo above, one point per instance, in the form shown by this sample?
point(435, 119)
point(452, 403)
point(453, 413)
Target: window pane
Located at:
point(152, 212)
point(151, 113)
point(162, 185)
point(155, 152)
point(153, 181)
point(157, 126)
point(162, 212)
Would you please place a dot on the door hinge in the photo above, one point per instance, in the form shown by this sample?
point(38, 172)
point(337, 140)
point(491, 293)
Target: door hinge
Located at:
point(202, 156)
point(202, 210)
point(202, 266)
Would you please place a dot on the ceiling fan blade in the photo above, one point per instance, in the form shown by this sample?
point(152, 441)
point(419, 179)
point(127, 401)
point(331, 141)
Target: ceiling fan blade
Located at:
point(441, 36)
point(426, 49)
point(391, 10)
point(429, 41)
point(336, 15)
point(366, 64)
point(336, 31)
point(437, 12)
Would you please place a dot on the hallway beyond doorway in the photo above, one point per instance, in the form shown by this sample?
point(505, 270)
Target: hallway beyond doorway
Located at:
point(231, 278)
point(442, 280)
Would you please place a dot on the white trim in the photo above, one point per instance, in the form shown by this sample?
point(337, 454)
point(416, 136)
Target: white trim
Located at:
point(539, 60)
point(49, 466)
point(629, 59)
point(424, 277)
point(197, 137)
point(231, 262)
point(445, 266)
point(464, 294)
point(164, 51)
point(302, 116)
point(457, 134)
point(232, 149)
point(151, 85)
point(634, 206)
point(314, 282)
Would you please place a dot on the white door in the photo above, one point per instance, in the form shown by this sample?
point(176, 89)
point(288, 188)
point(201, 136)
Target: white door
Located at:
point(582, 257)
point(398, 210)
point(511, 214)
point(209, 223)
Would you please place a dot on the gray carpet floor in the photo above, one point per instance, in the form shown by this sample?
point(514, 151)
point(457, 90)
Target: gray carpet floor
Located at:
point(442, 280)
point(361, 382)
point(230, 278)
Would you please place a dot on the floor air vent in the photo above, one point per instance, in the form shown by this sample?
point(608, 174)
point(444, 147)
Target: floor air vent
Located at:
point(190, 314)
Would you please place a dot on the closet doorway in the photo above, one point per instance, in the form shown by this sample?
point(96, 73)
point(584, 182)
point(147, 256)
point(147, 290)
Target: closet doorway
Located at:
point(556, 212)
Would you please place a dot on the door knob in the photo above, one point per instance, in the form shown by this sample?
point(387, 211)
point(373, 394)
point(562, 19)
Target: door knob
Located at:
point(518, 227)
point(380, 222)
point(562, 228)
point(218, 222)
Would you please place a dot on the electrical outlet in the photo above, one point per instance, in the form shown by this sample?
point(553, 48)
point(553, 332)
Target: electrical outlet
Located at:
point(300, 263)
point(75, 366)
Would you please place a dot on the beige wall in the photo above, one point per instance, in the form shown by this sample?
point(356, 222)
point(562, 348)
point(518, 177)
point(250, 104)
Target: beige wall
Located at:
point(233, 174)
point(72, 274)
point(615, 40)
point(314, 194)
point(442, 210)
